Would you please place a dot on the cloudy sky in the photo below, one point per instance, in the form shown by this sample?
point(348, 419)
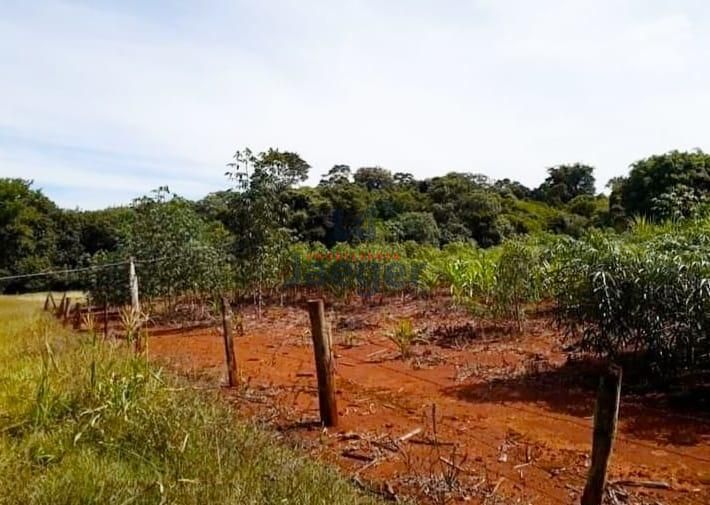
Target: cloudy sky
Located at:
point(103, 101)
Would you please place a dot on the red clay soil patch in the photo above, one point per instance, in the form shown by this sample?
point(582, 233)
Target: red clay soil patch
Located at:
point(480, 419)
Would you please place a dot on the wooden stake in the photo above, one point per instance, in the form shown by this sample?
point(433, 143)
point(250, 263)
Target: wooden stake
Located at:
point(133, 284)
point(60, 309)
point(77, 316)
point(65, 310)
point(105, 320)
point(324, 364)
point(229, 342)
point(606, 414)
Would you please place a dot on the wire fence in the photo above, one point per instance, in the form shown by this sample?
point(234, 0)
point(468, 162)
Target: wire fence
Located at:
point(484, 440)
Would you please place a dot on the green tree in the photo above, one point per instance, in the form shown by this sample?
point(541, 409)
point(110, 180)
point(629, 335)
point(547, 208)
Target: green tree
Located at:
point(262, 236)
point(28, 232)
point(338, 174)
point(665, 186)
point(177, 252)
point(404, 179)
point(420, 227)
point(374, 178)
point(515, 188)
point(564, 182)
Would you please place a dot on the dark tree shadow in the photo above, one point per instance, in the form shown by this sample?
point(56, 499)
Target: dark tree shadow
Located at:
point(677, 414)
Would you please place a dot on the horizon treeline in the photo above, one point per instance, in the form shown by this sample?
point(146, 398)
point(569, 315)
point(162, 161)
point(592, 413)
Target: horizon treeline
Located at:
point(367, 204)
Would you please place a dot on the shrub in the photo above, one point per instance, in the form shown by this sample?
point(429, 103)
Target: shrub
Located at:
point(518, 280)
point(649, 296)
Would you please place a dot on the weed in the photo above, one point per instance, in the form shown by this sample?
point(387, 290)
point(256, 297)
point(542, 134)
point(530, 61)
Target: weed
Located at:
point(403, 337)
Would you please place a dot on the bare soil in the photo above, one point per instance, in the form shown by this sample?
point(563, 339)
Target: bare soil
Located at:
point(504, 418)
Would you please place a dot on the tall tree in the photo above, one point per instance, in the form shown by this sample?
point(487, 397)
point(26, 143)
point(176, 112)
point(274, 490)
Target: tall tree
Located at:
point(666, 185)
point(374, 178)
point(262, 236)
point(564, 182)
point(28, 231)
point(338, 174)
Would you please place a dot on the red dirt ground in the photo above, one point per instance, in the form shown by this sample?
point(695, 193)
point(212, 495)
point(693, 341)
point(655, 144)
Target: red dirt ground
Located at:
point(505, 419)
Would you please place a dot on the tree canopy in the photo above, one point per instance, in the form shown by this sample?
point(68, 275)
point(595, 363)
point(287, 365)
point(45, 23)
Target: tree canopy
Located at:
point(253, 221)
point(665, 186)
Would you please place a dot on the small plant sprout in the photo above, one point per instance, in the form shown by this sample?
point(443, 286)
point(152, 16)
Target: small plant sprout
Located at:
point(89, 321)
point(131, 322)
point(403, 337)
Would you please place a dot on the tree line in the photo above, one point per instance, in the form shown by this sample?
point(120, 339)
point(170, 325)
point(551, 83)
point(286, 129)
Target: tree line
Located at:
point(264, 209)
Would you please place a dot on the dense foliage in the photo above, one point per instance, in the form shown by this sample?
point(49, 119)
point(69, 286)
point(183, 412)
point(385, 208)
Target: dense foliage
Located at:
point(645, 293)
point(666, 186)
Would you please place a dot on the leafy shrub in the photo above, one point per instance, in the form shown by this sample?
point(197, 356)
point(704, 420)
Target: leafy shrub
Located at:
point(518, 281)
point(649, 296)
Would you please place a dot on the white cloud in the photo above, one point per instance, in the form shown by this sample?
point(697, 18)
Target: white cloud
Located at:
point(501, 87)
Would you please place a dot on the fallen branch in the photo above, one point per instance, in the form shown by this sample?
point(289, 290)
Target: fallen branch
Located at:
point(357, 455)
point(372, 354)
point(364, 467)
point(427, 441)
point(453, 465)
point(651, 484)
point(495, 489)
point(410, 434)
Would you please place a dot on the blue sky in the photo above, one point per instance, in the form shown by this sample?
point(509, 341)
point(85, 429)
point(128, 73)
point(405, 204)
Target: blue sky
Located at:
point(103, 101)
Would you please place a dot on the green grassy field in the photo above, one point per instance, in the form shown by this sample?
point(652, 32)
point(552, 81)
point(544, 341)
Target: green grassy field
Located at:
point(86, 422)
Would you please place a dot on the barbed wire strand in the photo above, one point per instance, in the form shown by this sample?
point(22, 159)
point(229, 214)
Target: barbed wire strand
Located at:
point(540, 414)
point(492, 444)
point(63, 272)
point(85, 269)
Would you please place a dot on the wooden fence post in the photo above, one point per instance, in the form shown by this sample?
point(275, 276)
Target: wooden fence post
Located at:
point(606, 414)
point(77, 316)
point(133, 284)
point(229, 342)
point(60, 309)
point(66, 310)
point(324, 364)
point(105, 320)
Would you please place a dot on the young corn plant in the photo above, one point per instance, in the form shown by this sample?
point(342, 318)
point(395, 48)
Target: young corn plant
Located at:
point(518, 282)
point(131, 322)
point(89, 322)
point(428, 280)
point(403, 337)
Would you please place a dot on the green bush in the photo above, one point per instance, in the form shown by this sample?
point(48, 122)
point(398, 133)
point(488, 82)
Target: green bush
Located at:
point(645, 293)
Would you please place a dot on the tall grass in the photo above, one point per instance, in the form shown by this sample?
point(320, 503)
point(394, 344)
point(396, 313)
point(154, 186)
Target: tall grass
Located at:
point(87, 422)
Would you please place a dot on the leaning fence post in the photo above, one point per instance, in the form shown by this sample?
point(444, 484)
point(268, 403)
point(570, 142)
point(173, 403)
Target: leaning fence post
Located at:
point(65, 310)
point(105, 319)
point(324, 364)
point(229, 342)
point(133, 284)
point(60, 309)
point(606, 414)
